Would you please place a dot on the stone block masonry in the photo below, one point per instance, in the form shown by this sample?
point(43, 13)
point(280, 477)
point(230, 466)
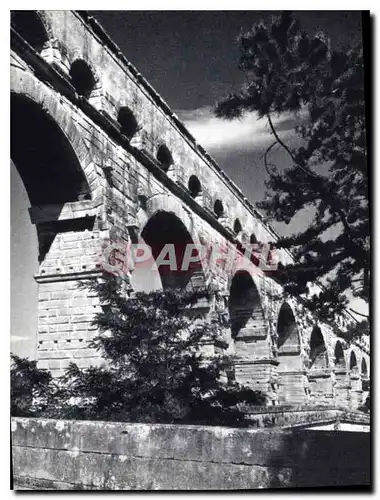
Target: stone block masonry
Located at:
point(105, 161)
point(74, 455)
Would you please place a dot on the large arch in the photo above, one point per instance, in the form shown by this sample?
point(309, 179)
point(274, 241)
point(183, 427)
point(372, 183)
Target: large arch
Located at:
point(320, 381)
point(353, 362)
point(340, 361)
point(318, 350)
point(43, 156)
point(290, 369)
point(55, 168)
point(171, 250)
point(254, 365)
point(25, 85)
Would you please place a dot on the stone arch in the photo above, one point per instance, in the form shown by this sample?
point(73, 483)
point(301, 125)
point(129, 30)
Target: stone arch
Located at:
point(82, 78)
point(30, 25)
point(290, 369)
point(128, 122)
point(194, 186)
point(244, 305)
point(353, 362)
point(24, 84)
point(321, 385)
point(164, 221)
point(318, 350)
point(364, 367)
point(287, 330)
point(164, 157)
point(43, 156)
point(340, 360)
point(253, 363)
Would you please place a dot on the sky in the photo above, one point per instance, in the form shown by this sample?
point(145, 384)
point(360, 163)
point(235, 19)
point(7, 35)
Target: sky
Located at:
point(190, 58)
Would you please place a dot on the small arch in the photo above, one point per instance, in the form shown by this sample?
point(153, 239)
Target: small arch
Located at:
point(340, 362)
point(318, 351)
point(30, 27)
point(237, 226)
point(194, 186)
point(82, 78)
point(164, 157)
point(127, 121)
point(218, 209)
point(353, 362)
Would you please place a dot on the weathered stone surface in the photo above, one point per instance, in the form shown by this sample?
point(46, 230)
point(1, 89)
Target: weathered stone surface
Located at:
point(52, 454)
point(118, 186)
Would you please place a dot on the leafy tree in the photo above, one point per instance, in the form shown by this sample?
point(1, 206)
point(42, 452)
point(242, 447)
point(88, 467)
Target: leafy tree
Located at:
point(288, 71)
point(153, 369)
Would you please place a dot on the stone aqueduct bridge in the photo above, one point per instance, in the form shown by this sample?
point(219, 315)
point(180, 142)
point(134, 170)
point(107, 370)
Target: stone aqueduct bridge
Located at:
point(104, 159)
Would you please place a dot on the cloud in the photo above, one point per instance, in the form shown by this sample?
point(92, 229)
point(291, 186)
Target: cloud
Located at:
point(16, 338)
point(245, 134)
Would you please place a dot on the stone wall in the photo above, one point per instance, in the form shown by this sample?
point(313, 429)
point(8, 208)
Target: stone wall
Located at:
point(72, 455)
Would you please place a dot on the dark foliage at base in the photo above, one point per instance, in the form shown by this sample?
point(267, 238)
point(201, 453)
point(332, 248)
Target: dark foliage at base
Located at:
point(153, 369)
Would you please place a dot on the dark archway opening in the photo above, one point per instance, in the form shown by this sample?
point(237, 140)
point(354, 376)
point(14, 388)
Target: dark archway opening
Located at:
point(364, 368)
point(218, 209)
point(194, 186)
point(30, 27)
point(165, 228)
point(340, 362)
point(82, 78)
point(128, 122)
point(43, 156)
point(244, 302)
point(164, 157)
point(288, 338)
point(318, 351)
point(353, 362)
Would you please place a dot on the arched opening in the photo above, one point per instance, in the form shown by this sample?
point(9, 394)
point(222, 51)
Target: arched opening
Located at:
point(218, 209)
point(249, 333)
point(321, 387)
point(164, 157)
point(318, 351)
point(288, 337)
point(291, 383)
point(173, 256)
point(237, 226)
point(353, 362)
point(128, 122)
point(44, 171)
point(364, 368)
point(253, 240)
point(30, 27)
point(194, 186)
point(244, 303)
point(82, 78)
point(340, 363)
point(43, 156)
